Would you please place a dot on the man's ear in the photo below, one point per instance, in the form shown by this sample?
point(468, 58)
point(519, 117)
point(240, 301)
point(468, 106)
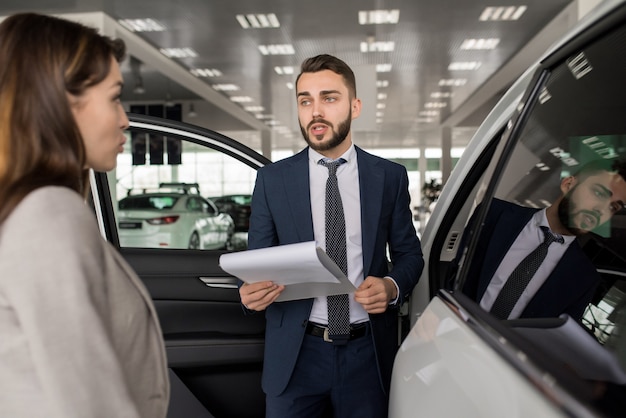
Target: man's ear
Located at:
point(567, 183)
point(356, 108)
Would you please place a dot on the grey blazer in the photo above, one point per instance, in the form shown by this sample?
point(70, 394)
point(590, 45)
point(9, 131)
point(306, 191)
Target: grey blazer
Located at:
point(79, 335)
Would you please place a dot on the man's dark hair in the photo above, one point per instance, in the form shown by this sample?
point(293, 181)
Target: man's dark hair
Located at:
point(334, 64)
point(600, 165)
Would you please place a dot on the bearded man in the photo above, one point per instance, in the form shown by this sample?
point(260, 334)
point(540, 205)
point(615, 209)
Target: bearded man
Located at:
point(313, 367)
point(565, 280)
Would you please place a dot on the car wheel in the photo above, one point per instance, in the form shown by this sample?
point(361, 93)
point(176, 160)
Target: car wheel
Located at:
point(194, 241)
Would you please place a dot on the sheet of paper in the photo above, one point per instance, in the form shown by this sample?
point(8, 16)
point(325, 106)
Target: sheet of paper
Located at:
point(304, 268)
point(577, 348)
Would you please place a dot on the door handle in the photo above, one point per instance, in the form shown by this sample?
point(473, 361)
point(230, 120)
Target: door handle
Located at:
point(220, 282)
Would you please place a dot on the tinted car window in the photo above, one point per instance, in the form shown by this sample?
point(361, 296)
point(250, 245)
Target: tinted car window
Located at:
point(574, 117)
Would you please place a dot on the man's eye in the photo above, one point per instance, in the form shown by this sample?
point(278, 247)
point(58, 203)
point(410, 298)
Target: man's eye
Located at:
point(600, 193)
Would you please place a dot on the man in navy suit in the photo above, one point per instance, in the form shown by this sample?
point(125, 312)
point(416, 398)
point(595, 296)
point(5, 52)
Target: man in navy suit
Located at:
point(566, 280)
point(304, 374)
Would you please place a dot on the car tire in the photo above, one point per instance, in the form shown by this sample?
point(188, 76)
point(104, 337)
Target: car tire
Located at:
point(194, 241)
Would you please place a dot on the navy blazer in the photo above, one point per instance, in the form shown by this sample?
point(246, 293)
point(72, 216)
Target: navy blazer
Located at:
point(568, 289)
point(281, 214)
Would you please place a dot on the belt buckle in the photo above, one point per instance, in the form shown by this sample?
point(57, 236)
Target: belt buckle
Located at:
point(328, 340)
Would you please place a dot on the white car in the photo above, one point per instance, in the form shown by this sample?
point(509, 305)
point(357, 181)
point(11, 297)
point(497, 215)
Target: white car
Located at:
point(459, 360)
point(173, 220)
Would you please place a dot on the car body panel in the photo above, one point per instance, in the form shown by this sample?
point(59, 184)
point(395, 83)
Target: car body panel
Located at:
point(458, 361)
point(445, 356)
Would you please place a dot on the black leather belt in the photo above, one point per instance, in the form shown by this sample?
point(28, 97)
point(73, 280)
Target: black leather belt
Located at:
point(356, 330)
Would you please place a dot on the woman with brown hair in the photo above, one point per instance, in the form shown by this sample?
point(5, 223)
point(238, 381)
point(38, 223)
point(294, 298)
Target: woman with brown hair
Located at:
point(79, 335)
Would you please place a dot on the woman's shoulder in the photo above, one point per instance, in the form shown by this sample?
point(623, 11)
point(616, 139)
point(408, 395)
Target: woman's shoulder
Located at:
point(51, 210)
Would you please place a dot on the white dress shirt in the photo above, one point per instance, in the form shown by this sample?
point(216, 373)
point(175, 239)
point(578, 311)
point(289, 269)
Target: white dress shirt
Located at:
point(528, 239)
point(348, 180)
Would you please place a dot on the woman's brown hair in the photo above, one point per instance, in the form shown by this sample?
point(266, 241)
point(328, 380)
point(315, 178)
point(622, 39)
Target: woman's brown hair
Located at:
point(42, 60)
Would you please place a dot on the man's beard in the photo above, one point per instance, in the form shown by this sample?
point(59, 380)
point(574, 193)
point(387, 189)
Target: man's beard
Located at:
point(567, 212)
point(338, 136)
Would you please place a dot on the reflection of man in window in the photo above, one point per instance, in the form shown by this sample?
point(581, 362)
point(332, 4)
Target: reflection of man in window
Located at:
point(563, 279)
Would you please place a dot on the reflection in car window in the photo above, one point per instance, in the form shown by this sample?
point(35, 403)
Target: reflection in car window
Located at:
point(569, 156)
point(179, 191)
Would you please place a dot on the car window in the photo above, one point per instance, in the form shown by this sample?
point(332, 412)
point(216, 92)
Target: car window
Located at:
point(190, 172)
point(569, 133)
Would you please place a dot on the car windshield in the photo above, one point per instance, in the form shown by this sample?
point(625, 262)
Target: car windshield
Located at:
point(148, 202)
point(242, 199)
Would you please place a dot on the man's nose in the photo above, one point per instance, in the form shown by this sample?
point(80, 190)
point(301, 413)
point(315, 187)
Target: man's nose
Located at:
point(317, 111)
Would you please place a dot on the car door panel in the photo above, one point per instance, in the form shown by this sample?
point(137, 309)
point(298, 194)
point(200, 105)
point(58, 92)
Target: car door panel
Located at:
point(214, 350)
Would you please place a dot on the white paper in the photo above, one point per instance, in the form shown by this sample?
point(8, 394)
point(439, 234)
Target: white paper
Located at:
point(577, 348)
point(304, 268)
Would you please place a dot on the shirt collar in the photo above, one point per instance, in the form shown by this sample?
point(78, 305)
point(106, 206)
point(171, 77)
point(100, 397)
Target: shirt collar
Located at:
point(349, 155)
point(540, 218)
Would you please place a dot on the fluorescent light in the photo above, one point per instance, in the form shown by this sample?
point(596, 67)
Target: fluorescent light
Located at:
point(382, 83)
point(142, 25)
point(290, 85)
point(544, 95)
point(284, 49)
point(464, 66)
point(377, 46)
point(226, 87)
point(258, 21)
point(579, 65)
point(380, 114)
point(502, 13)
point(179, 52)
point(380, 105)
point(382, 96)
point(435, 105)
point(429, 113)
point(481, 43)
point(287, 70)
point(254, 108)
point(383, 68)
point(453, 82)
point(241, 99)
point(441, 95)
point(379, 17)
point(205, 72)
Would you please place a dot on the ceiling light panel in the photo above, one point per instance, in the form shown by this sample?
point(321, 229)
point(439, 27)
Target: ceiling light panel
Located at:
point(179, 52)
point(379, 17)
point(481, 43)
point(383, 68)
point(258, 21)
point(284, 49)
point(502, 13)
point(377, 46)
point(205, 72)
point(226, 87)
point(241, 99)
point(142, 25)
point(452, 82)
point(464, 66)
point(284, 70)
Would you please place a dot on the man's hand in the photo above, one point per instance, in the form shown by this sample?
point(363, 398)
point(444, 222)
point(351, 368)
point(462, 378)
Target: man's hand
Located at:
point(375, 293)
point(258, 296)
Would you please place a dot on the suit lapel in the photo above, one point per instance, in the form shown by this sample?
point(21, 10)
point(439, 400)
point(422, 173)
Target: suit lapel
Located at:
point(371, 185)
point(508, 226)
point(297, 195)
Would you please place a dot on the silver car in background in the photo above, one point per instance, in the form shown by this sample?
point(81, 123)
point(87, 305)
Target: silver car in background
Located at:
point(173, 220)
